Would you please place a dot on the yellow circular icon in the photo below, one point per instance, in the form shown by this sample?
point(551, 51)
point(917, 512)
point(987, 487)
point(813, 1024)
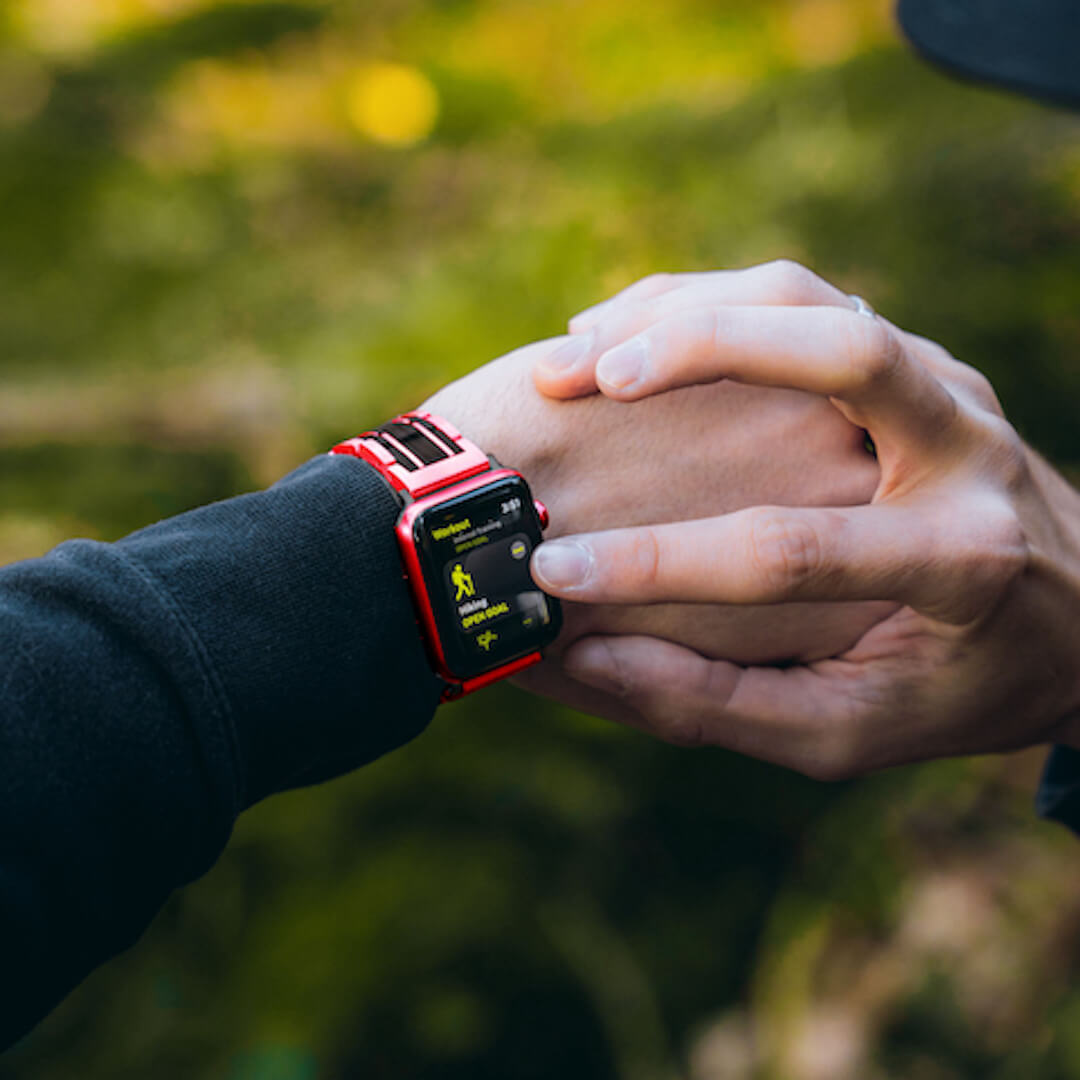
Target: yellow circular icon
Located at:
point(519, 549)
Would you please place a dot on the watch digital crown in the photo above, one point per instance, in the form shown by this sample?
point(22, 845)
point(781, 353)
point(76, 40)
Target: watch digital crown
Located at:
point(466, 531)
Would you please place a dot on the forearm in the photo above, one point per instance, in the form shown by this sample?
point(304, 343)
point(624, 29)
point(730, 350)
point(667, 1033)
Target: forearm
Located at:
point(153, 688)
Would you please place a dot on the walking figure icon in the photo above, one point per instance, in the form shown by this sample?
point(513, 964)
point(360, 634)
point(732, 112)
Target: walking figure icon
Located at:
point(463, 582)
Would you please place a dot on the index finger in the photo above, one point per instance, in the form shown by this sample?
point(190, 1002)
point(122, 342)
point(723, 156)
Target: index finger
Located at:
point(860, 363)
point(572, 372)
point(769, 555)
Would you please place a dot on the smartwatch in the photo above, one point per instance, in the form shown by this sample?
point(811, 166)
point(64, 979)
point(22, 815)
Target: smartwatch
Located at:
point(466, 531)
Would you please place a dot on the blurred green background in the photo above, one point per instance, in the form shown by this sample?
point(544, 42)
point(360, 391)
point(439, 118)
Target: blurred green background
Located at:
point(233, 233)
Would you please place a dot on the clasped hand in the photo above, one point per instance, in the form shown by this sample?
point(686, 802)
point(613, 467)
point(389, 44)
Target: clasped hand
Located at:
point(970, 536)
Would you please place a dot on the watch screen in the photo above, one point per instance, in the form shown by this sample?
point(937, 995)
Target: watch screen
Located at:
point(475, 551)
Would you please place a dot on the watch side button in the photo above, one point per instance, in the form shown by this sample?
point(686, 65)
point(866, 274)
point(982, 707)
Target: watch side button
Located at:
point(542, 513)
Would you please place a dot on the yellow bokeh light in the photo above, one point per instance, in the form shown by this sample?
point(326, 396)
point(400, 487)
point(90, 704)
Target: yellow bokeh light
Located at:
point(72, 27)
point(822, 32)
point(393, 104)
point(248, 105)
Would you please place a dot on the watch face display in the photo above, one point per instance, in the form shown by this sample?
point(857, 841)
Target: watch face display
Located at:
point(474, 551)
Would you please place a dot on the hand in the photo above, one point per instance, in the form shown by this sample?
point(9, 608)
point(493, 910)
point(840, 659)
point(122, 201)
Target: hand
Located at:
point(969, 531)
point(597, 463)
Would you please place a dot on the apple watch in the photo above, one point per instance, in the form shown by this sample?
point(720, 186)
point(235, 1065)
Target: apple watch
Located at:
point(466, 531)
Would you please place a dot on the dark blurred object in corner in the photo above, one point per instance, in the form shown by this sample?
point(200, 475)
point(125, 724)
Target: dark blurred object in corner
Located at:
point(1032, 46)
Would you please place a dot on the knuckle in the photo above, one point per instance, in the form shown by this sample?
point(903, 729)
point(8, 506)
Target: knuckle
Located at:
point(869, 349)
point(786, 550)
point(709, 326)
point(1005, 451)
point(995, 451)
point(647, 560)
point(791, 282)
point(991, 554)
point(981, 389)
point(685, 728)
point(1007, 552)
point(687, 716)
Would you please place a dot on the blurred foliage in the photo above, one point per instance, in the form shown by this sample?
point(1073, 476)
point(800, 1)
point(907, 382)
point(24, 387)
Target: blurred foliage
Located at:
point(233, 232)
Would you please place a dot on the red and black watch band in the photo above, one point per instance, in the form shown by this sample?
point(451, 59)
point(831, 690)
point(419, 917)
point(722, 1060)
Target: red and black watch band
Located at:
point(418, 453)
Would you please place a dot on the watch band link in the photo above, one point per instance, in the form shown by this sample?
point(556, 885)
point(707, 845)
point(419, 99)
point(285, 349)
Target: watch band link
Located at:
point(418, 453)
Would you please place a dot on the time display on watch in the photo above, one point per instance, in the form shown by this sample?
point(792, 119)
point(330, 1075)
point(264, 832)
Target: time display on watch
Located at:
point(474, 553)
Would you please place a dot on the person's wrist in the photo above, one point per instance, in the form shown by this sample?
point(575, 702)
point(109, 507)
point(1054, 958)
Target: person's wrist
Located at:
point(498, 408)
point(1063, 500)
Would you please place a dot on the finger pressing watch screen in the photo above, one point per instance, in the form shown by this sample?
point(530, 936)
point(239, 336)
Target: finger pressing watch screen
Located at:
point(474, 553)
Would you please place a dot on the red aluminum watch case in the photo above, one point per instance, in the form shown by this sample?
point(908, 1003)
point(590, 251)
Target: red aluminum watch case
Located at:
point(414, 575)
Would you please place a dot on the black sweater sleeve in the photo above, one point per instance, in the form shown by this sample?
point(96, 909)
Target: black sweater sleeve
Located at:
point(153, 688)
point(1059, 793)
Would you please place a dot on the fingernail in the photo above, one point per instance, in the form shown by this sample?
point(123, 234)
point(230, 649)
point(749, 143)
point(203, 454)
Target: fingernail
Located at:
point(623, 365)
point(562, 564)
point(569, 353)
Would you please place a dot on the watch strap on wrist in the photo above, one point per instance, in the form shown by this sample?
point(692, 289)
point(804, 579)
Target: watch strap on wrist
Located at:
point(418, 453)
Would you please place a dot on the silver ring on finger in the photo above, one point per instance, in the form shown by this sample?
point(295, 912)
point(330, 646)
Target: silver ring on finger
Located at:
point(861, 306)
